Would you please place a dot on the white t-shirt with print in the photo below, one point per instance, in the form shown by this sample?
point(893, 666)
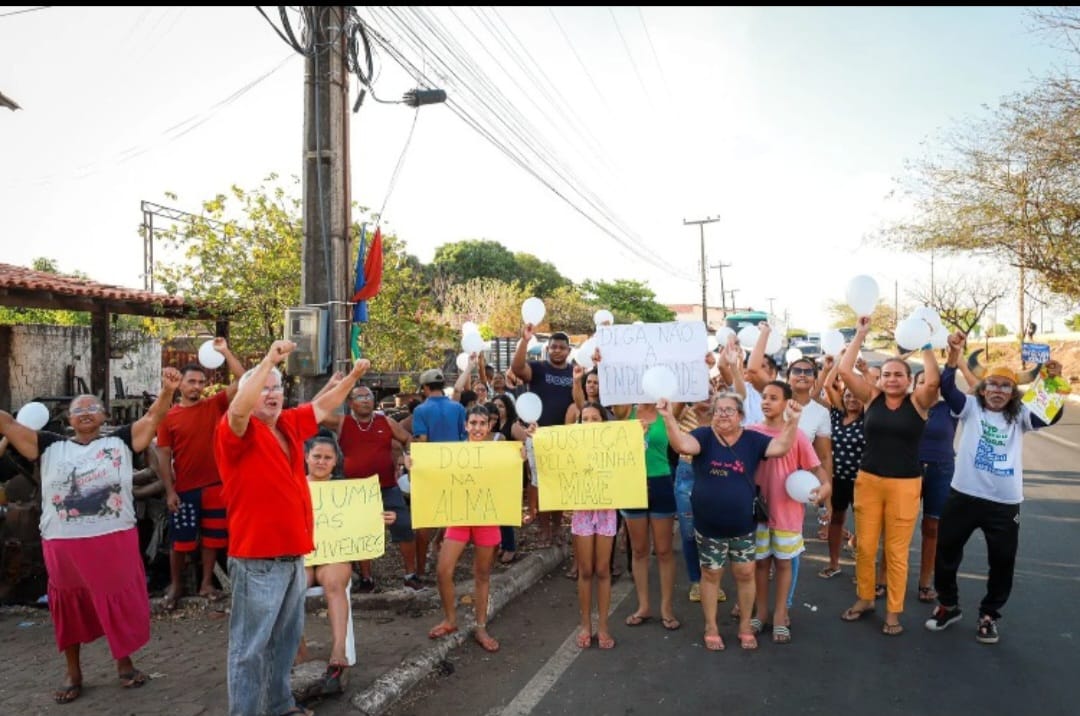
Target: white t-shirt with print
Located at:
point(989, 459)
point(86, 490)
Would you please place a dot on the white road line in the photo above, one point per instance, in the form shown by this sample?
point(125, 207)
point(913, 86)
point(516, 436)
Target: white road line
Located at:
point(1058, 440)
point(549, 673)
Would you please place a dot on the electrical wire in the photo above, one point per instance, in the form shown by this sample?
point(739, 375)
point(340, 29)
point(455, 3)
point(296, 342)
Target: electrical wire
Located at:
point(397, 167)
point(628, 52)
point(25, 10)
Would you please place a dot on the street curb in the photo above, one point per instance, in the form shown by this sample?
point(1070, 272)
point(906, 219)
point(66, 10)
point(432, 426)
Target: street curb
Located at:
point(505, 587)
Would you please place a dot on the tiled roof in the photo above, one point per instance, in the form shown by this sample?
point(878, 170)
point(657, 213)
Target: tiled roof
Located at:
point(20, 277)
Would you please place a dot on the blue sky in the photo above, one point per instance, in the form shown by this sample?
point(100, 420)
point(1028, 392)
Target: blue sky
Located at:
point(787, 123)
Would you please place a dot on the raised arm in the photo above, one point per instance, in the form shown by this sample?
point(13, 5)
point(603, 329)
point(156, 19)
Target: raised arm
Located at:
point(462, 382)
point(781, 444)
point(247, 395)
point(862, 390)
point(824, 375)
point(235, 366)
point(926, 394)
point(519, 363)
point(682, 443)
point(576, 390)
point(22, 438)
point(755, 366)
point(328, 402)
point(834, 396)
point(953, 396)
point(144, 429)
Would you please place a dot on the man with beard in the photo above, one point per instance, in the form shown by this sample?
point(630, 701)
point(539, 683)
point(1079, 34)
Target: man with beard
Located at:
point(185, 447)
point(259, 451)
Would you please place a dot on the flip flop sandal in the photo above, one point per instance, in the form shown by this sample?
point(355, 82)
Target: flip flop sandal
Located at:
point(892, 629)
point(486, 642)
point(756, 627)
point(637, 619)
point(671, 624)
point(748, 641)
point(67, 693)
point(605, 641)
point(828, 573)
point(441, 630)
point(133, 679)
point(927, 595)
point(584, 640)
point(713, 642)
point(853, 615)
point(781, 635)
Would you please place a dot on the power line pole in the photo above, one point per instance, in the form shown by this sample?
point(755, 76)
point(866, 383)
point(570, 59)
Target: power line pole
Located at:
point(701, 225)
point(770, 300)
point(732, 292)
point(723, 295)
point(327, 215)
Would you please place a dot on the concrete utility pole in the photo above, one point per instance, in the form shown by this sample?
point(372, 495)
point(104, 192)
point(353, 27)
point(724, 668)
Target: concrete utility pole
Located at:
point(723, 294)
point(733, 308)
point(325, 268)
point(701, 225)
point(770, 300)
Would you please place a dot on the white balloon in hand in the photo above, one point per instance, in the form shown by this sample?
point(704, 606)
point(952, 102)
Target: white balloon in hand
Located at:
point(33, 415)
point(532, 310)
point(832, 342)
point(529, 407)
point(800, 484)
point(473, 343)
point(208, 357)
point(862, 295)
point(462, 362)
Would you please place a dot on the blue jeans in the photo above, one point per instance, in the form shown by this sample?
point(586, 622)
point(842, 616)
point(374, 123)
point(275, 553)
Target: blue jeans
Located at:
point(264, 633)
point(509, 542)
point(684, 485)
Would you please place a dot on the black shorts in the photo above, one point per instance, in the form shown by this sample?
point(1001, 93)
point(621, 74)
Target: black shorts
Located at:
point(843, 495)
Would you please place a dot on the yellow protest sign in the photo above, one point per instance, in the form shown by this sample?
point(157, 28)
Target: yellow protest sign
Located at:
point(348, 521)
point(591, 466)
point(466, 484)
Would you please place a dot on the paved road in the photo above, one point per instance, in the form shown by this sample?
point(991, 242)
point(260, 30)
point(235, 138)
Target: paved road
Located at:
point(831, 667)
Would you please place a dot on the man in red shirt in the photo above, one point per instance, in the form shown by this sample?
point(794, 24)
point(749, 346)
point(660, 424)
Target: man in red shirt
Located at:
point(367, 441)
point(185, 446)
point(260, 455)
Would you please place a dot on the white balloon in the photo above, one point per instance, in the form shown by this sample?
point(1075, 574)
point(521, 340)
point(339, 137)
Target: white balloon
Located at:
point(33, 415)
point(832, 342)
point(800, 484)
point(603, 316)
point(472, 342)
point(462, 362)
point(529, 407)
point(584, 354)
point(711, 343)
point(659, 382)
point(722, 335)
point(403, 483)
point(939, 339)
point(774, 343)
point(748, 336)
point(533, 310)
point(792, 355)
point(912, 333)
point(469, 327)
point(209, 357)
point(862, 295)
point(929, 315)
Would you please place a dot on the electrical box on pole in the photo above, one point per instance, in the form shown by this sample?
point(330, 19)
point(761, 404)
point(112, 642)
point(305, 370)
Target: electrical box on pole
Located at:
point(309, 328)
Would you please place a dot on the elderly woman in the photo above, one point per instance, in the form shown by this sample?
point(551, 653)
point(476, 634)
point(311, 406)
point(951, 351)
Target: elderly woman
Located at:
point(323, 458)
point(97, 585)
point(725, 458)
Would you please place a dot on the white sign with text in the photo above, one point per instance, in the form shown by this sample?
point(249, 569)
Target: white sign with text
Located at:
point(626, 352)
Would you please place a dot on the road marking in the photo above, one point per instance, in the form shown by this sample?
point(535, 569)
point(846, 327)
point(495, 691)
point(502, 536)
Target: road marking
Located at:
point(549, 673)
point(1055, 438)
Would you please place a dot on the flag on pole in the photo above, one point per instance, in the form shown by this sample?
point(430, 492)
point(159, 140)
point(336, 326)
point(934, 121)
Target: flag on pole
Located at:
point(369, 268)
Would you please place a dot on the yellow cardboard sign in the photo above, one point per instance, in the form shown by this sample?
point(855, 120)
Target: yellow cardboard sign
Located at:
point(466, 484)
point(348, 521)
point(591, 466)
point(1042, 402)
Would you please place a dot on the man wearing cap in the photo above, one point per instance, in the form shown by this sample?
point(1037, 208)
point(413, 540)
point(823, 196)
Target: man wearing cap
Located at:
point(438, 419)
point(987, 488)
point(258, 446)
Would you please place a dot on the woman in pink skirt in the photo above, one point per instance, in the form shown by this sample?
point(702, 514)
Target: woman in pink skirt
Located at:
point(97, 585)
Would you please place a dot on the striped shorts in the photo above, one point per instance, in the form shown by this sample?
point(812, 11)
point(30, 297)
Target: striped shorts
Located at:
point(781, 544)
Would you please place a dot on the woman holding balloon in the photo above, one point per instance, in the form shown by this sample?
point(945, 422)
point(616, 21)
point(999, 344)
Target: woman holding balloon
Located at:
point(889, 481)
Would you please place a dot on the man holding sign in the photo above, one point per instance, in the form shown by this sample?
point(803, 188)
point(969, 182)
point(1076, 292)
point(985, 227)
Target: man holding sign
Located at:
point(259, 451)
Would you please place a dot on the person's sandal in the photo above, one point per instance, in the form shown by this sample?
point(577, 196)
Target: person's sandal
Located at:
point(333, 680)
point(927, 595)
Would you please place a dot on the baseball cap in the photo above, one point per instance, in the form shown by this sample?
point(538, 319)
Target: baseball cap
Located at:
point(1001, 371)
point(432, 375)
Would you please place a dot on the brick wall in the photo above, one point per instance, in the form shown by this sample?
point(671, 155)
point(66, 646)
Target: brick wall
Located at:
point(37, 358)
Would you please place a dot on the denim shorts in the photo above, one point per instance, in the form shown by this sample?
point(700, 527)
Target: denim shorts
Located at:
point(937, 477)
point(661, 491)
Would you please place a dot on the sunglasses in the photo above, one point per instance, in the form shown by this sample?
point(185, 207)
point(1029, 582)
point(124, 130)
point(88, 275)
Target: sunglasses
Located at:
point(801, 371)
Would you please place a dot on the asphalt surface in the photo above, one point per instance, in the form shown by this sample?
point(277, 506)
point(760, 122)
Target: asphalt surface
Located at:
point(830, 666)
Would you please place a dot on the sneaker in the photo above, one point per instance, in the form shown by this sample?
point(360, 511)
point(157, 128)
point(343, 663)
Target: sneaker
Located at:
point(365, 584)
point(987, 632)
point(695, 592)
point(942, 617)
point(721, 596)
point(413, 582)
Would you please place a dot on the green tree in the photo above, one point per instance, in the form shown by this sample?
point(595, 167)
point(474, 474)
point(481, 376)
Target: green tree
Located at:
point(1073, 323)
point(493, 305)
point(569, 312)
point(475, 258)
point(540, 278)
point(628, 300)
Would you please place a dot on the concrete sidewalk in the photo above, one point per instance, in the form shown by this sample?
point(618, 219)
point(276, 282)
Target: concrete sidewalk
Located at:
point(187, 651)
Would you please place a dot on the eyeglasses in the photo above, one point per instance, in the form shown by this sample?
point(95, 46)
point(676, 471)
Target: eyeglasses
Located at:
point(363, 397)
point(89, 410)
point(273, 389)
point(801, 371)
point(999, 387)
point(726, 411)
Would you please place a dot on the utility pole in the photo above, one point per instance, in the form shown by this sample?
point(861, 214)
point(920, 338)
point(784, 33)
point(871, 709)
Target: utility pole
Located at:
point(732, 292)
point(723, 295)
point(770, 300)
point(326, 251)
point(701, 225)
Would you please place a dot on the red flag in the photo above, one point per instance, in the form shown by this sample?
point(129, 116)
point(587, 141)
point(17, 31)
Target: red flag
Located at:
point(372, 270)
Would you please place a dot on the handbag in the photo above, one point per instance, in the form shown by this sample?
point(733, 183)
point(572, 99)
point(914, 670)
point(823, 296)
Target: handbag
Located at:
point(761, 508)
